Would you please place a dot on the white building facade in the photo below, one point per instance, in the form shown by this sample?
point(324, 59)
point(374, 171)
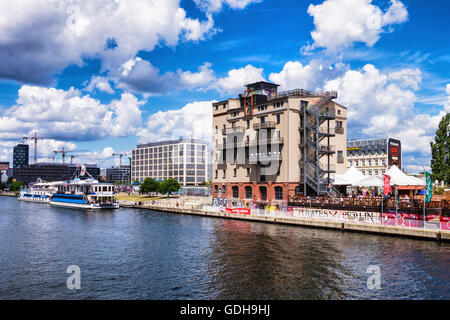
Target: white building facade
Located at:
point(186, 160)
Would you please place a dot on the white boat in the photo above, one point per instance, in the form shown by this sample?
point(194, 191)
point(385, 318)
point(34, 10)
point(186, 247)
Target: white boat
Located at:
point(85, 194)
point(39, 192)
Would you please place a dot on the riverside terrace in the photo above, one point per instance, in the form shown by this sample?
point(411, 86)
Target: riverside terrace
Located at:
point(405, 206)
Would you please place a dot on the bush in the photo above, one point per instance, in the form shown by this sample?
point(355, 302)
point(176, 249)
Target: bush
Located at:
point(16, 186)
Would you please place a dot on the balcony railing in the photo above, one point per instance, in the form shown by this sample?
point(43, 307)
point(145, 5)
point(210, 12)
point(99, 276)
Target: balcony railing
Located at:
point(339, 130)
point(340, 160)
point(265, 157)
point(273, 141)
point(265, 125)
point(233, 130)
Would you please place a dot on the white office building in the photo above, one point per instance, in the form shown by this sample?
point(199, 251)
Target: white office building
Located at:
point(184, 159)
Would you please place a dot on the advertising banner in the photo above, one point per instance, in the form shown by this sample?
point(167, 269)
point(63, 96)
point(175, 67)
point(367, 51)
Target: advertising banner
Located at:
point(238, 210)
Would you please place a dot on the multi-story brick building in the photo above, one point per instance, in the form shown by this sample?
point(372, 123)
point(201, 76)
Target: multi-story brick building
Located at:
point(269, 146)
point(374, 156)
point(185, 160)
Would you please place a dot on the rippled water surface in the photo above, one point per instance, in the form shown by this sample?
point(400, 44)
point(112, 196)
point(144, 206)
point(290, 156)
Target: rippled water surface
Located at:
point(141, 254)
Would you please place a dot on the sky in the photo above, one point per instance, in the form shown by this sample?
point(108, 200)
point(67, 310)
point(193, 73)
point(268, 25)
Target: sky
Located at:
point(98, 77)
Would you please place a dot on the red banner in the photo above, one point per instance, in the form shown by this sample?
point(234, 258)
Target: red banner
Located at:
point(238, 211)
point(387, 184)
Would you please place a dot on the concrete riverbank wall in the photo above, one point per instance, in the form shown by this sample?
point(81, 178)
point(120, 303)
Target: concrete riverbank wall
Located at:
point(353, 226)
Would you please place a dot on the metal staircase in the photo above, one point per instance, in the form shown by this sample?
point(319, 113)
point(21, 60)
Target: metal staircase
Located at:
point(316, 172)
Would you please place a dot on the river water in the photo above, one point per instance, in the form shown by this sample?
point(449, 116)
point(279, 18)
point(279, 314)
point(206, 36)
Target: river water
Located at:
point(142, 254)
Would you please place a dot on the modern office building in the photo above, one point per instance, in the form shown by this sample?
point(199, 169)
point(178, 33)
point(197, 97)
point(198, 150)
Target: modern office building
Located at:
point(184, 159)
point(374, 156)
point(20, 155)
point(121, 174)
point(51, 172)
point(270, 146)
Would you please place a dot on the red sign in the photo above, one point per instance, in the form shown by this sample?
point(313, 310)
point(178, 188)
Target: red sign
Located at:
point(238, 211)
point(387, 184)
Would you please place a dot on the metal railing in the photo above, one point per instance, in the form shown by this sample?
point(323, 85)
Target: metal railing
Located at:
point(265, 125)
point(232, 130)
point(339, 130)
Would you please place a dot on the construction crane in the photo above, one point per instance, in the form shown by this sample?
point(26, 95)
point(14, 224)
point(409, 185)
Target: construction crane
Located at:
point(76, 156)
point(35, 138)
point(121, 155)
point(64, 154)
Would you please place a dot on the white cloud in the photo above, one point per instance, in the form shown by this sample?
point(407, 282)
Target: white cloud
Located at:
point(380, 105)
point(192, 121)
point(99, 83)
point(310, 77)
point(141, 76)
point(40, 38)
point(68, 115)
point(216, 5)
point(447, 105)
point(237, 78)
point(340, 23)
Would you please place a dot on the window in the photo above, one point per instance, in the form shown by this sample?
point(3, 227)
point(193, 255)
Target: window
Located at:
point(278, 118)
point(235, 192)
point(234, 172)
point(248, 124)
point(370, 162)
point(363, 172)
point(248, 172)
point(217, 174)
point(217, 129)
point(340, 154)
point(351, 162)
point(278, 193)
point(224, 188)
point(224, 174)
point(376, 172)
point(263, 192)
point(263, 119)
point(357, 162)
point(216, 188)
point(363, 162)
point(248, 192)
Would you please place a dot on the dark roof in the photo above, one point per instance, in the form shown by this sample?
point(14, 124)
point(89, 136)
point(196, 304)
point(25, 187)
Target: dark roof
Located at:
point(262, 82)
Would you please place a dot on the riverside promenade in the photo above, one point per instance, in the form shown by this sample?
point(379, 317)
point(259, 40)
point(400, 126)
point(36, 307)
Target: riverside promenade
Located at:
point(427, 231)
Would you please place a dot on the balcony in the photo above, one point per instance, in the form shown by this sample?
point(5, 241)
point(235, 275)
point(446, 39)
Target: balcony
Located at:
point(233, 130)
point(265, 125)
point(339, 130)
point(340, 160)
point(265, 157)
point(273, 141)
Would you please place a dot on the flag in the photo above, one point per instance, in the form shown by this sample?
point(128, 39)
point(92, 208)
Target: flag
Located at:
point(387, 184)
point(428, 188)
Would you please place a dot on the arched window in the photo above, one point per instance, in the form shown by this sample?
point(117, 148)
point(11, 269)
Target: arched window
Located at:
point(235, 192)
point(248, 193)
point(278, 193)
point(263, 192)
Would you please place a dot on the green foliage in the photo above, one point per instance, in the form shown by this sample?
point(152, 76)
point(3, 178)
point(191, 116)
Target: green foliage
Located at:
point(440, 152)
point(168, 186)
point(117, 183)
point(16, 186)
point(2, 186)
point(149, 185)
point(438, 190)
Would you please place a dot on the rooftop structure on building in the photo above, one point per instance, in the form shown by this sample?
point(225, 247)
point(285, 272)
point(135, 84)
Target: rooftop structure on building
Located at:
point(302, 133)
point(183, 159)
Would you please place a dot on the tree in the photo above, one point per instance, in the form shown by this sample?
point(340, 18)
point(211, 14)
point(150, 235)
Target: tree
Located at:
point(168, 186)
point(16, 186)
point(149, 185)
point(440, 152)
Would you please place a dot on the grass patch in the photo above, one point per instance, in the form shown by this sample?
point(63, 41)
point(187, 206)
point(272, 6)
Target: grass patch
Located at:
point(136, 198)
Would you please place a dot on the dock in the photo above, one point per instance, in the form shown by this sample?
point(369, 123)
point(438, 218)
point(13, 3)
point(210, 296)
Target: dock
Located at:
point(349, 226)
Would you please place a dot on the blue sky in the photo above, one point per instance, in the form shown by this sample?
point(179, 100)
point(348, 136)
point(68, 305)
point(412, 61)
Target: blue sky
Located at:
point(389, 60)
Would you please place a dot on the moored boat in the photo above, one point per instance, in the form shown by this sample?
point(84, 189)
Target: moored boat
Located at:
point(39, 192)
